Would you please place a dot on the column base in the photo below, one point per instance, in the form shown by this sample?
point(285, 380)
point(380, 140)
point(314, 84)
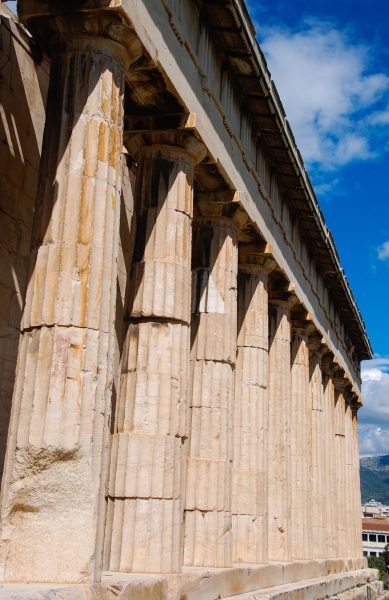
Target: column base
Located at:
point(311, 580)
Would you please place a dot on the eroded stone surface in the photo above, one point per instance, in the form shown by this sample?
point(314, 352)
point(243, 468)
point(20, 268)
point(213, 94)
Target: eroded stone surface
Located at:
point(61, 407)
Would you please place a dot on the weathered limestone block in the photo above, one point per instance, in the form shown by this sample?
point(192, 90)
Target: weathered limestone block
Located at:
point(279, 440)
point(61, 404)
point(318, 457)
point(208, 525)
point(301, 505)
point(249, 471)
point(147, 474)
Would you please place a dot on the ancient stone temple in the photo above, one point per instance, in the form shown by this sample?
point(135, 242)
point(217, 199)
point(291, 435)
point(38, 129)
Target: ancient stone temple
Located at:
point(180, 349)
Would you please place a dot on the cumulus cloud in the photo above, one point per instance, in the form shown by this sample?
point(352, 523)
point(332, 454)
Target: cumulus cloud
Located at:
point(383, 252)
point(331, 98)
point(374, 416)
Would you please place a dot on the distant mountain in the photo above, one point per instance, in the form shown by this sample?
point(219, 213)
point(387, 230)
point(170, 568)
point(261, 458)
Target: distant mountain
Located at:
point(375, 478)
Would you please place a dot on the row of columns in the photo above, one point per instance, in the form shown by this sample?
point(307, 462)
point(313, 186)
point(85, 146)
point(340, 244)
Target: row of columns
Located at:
point(228, 446)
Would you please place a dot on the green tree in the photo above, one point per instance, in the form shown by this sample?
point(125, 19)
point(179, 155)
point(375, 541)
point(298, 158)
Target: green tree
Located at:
point(377, 562)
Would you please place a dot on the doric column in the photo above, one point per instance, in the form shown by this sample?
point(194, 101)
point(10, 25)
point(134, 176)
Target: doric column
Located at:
point(54, 483)
point(301, 504)
point(340, 462)
point(357, 537)
point(146, 483)
point(318, 457)
point(349, 483)
point(279, 440)
point(213, 355)
point(250, 423)
point(331, 535)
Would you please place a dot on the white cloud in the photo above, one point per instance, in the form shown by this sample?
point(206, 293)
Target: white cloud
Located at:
point(380, 117)
point(328, 92)
point(374, 415)
point(373, 440)
point(383, 251)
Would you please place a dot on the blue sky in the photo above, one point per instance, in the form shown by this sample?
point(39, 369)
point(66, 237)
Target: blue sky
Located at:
point(330, 61)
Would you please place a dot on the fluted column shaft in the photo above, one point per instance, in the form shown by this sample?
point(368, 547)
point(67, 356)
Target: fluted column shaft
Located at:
point(53, 489)
point(301, 504)
point(330, 467)
point(318, 456)
point(349, 483)
point(279, 467)
point(147, 475)
point(357, 537)
point(340, 462)
point(249, 472)
point(214, 325)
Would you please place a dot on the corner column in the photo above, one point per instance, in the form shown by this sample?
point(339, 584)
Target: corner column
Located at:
point(279, 444)
point(208, 539)
point(250, 425)
point(53, 492)
point(146, 488)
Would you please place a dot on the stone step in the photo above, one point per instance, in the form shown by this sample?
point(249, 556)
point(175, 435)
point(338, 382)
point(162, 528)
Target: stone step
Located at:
point(269, 582)
point(356, 585)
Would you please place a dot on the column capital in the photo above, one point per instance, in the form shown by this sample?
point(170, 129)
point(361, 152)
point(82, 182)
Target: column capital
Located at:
point(61, 25)
point(327, 362)
point(224, 204)
point(282, 293)
point(341, 381)
point(356, 404)
point(316, 344)
point(178, 142)
point(254, 257)
point(302, 321)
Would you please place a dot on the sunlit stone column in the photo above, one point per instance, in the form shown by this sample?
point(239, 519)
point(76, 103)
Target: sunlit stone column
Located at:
point(319, 458)
point(357, 484)
point(147, 476)
point(350, 522)
point(208, 540)
point(340, 462)
point(330, 466)
point(54, 482)
point(279, 440)
point(301, 429)
point(250, 423)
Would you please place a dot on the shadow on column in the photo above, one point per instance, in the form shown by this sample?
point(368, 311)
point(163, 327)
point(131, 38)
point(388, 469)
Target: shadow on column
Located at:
point(21, 122)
